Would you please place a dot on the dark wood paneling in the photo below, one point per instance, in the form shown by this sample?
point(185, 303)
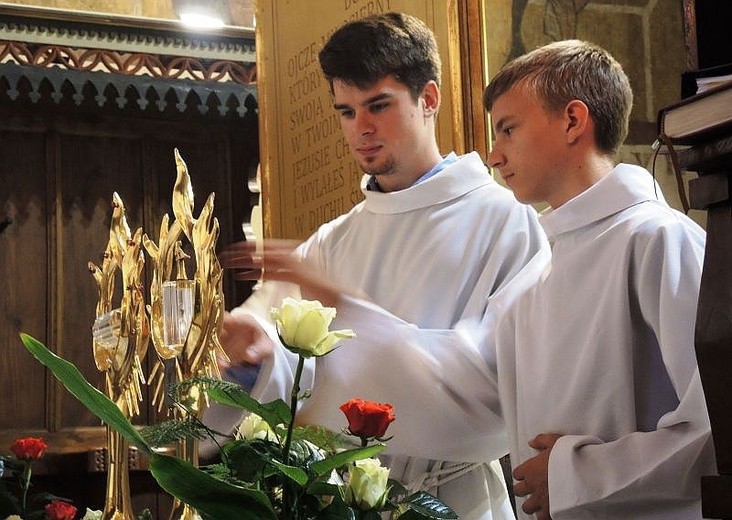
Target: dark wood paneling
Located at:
point(90, 167)
point(59, 168)
point(23, 274)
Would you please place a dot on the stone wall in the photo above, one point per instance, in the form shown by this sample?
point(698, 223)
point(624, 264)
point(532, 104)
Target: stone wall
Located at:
point(645, 36)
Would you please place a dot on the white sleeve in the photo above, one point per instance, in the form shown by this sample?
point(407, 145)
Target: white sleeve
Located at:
point(442, 383)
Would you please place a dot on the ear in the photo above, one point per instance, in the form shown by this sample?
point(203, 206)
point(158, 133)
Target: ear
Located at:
point(577, 118)
point(431, 98)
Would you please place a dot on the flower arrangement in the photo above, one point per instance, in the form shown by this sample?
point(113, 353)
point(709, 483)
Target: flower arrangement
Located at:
point(272, 470)
point(19, 505)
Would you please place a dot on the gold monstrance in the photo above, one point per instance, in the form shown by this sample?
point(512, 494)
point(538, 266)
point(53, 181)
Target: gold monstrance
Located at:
point(186, 315)
point(120, 342)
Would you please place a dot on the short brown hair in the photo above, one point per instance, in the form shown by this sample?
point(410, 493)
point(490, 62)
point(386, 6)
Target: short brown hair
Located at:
point(364, 51)
point(572, 69)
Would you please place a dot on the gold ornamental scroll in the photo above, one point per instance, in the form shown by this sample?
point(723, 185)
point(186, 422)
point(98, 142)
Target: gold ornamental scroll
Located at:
point(308, 174)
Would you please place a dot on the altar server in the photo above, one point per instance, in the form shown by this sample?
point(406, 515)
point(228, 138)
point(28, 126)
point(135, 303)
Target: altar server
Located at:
point(596, 368)
point(434, 238)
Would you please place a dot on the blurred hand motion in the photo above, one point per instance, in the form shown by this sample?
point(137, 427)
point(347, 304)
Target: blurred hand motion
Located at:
point(277, 262)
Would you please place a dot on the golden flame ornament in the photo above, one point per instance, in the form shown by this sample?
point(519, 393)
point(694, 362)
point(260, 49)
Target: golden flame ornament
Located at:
point(177, 303)
point(120, 341)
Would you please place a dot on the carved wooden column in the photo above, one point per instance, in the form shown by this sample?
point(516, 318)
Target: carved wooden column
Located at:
point(713, 339)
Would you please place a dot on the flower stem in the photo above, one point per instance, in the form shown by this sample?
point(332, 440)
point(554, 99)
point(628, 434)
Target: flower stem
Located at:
point(288, 500)
point(293, 408)
point(25, 481)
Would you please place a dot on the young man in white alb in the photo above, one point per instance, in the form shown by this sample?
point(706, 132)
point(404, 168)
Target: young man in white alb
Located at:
point(434, 238)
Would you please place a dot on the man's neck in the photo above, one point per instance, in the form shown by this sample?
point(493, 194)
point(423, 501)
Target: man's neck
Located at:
point(582, 176)
point(382, 183)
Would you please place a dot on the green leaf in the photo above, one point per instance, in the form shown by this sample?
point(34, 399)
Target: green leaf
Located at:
point(369, 515)
point(218, 470)
point(98, 403)
point(325, 466)
point(231, 394)
point(321, 489)
point(41, 499)
point(422, 505)
point(397, 491)
point(337, 510)
point(35, 515)
point(8, 503)
point(304, 453)
point(293, 473)
point(215, 498)
point(145, 514)
point(245, 460)
point(171, 431)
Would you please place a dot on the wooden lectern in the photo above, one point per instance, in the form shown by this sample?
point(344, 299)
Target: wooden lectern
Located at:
point(712, 159)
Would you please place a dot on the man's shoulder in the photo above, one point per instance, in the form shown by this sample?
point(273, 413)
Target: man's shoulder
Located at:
point(654, 217)
point(493, 197)
point(653, 229)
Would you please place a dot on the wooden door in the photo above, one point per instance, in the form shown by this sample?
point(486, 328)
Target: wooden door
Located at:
point(58, 169)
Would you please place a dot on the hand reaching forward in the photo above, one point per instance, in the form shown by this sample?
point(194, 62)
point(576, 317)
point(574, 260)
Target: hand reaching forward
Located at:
point(250, 263)
point(244, 340)
point(532, 477)
point(279, 263)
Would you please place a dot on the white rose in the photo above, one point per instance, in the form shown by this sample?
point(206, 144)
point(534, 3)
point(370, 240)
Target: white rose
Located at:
point(254, 427)
point(303, 327)
point(13, 517)
point(92, 514)
point(367, 485)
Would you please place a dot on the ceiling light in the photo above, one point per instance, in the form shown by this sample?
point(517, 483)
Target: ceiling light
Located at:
point(202, 14)
point(201, 21)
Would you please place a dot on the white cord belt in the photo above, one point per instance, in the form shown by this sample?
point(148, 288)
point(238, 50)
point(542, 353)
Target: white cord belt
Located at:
point(438, 477)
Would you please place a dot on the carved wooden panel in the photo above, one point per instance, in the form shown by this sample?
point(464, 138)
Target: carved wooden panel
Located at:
point(24, 244)
point(56, 181)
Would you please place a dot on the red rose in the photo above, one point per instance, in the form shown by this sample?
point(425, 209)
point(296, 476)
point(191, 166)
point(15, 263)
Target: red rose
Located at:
point(28, 448)
point(367, 419)
point(60, 510)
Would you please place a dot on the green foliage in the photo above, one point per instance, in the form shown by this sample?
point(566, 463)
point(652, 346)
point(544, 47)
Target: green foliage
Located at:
point(423, 505)
point(217, 499)
point(338, 510)
point(325, 466)
point(13, 487)
point(169, 432)
point(230, 394)
point(145, 514)
point(252, 481)
point(321, 437)
point(248, 461)
point(9, 504)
